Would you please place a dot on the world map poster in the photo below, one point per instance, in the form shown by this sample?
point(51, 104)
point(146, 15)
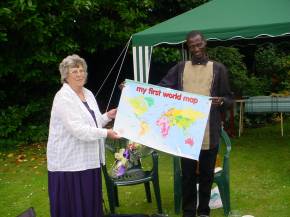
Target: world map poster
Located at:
point(161, 118)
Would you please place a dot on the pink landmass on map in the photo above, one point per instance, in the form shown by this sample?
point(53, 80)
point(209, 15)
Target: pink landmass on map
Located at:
point(189, 141)
point(163, 122)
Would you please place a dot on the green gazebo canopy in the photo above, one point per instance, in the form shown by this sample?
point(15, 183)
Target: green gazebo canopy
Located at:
point(222, 20)
point(217, 20)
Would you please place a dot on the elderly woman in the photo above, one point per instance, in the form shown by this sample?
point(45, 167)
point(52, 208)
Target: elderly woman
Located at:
point(75, 148)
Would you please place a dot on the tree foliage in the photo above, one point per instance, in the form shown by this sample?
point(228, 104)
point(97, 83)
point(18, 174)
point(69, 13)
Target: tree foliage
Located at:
point(36, 35)
point(242, 82)
point(273, 64)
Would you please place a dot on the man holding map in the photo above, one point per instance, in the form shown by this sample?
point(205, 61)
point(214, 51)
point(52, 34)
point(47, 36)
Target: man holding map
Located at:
point(209, 78)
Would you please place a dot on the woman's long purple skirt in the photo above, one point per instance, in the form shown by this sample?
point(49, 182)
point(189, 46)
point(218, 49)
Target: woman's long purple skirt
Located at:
point(75, 194)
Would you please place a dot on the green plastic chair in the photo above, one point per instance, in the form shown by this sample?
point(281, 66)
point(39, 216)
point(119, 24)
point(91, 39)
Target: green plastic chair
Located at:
point(221, 176)
point(133, 176)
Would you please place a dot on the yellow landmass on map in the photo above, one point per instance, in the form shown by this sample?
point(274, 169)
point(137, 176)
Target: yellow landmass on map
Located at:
point(183, 118)
point(144, 128)
point(138, 104)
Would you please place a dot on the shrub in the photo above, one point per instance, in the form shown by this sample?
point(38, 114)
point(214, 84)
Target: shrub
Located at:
point(273, 64)
point(24, 124)
point(241, 82)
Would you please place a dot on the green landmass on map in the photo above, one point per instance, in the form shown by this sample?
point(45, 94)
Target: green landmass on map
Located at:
point(140, 104)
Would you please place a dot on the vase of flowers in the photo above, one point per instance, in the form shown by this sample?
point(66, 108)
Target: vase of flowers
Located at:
point(128, 158)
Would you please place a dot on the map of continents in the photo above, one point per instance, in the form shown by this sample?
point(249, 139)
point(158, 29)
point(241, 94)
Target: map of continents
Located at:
point(181, 118)
point(140, 105)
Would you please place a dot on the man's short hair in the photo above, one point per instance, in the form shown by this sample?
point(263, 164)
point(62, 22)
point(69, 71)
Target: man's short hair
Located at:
point(194, 33)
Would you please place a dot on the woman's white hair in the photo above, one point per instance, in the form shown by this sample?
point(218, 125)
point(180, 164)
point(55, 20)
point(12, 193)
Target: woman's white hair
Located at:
point(71, 62)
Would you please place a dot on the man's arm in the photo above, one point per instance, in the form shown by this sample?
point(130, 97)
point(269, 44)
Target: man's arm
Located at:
point(170, 80)
point(225, 91)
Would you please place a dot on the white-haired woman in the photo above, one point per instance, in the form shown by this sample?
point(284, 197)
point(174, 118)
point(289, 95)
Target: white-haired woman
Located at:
point(75, 148)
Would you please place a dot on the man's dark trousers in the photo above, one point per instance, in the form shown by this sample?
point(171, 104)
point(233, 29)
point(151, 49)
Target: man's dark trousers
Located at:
point(207, 160)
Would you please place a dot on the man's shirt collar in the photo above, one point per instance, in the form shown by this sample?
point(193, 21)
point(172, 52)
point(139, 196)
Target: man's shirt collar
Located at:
point(199, 61)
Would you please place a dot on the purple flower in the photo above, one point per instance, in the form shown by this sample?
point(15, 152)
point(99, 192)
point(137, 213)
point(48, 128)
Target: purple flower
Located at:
point(121, 170)
point(126, 154)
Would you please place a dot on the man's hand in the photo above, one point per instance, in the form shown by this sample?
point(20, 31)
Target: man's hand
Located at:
point(218, 101)
point(112, 113)
point(112, 134)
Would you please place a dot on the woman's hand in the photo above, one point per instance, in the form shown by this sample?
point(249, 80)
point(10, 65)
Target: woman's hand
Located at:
point(112, 113)
point(112, 134)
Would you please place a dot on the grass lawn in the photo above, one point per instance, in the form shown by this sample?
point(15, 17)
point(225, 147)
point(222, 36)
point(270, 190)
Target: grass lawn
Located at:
point(260, 178)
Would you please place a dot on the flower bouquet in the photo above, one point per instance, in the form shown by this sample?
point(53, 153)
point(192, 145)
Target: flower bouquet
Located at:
point(128, 158)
